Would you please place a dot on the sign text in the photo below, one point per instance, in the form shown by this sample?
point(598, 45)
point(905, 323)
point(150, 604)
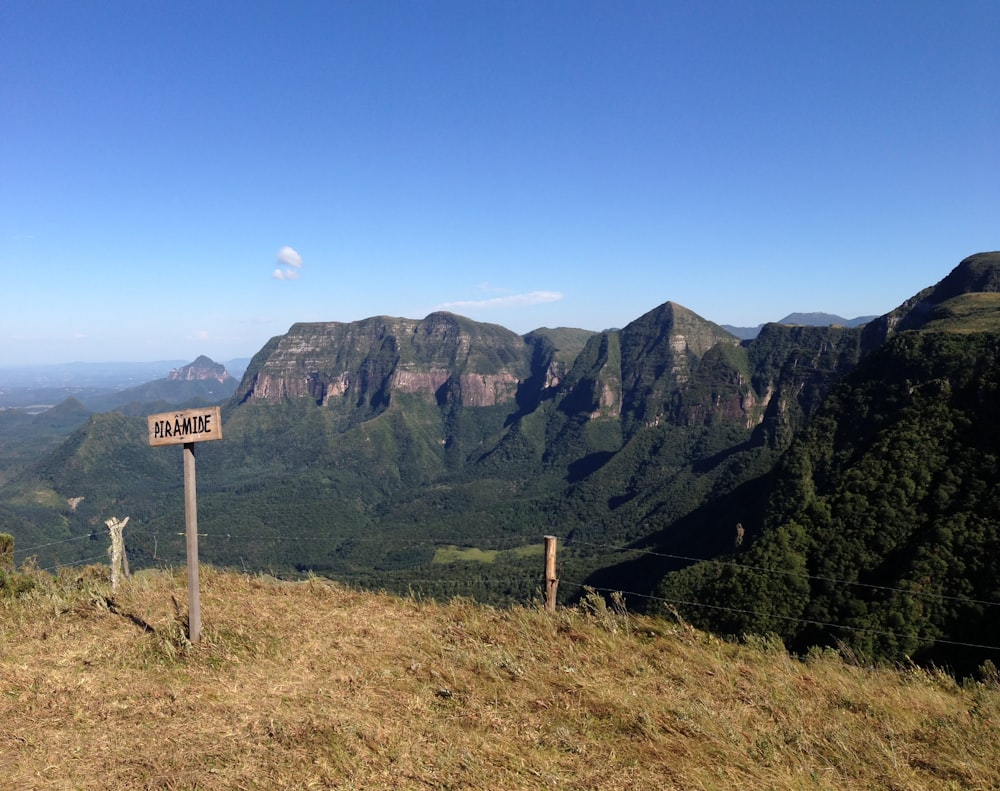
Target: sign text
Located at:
point(189, 425)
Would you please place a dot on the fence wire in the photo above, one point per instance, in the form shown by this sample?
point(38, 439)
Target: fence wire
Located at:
point(387, 577)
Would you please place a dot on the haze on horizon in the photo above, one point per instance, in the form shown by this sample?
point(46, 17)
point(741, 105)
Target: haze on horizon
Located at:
point(183, 179)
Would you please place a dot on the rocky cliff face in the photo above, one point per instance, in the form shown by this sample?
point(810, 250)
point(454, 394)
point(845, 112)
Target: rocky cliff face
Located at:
point(669, 366)
point(442, 358)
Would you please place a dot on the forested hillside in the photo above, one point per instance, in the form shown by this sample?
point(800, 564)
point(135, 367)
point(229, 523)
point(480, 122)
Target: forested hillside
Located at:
point(880, 525)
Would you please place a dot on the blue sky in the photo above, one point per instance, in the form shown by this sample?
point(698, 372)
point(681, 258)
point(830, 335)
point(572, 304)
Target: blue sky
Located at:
point(192, 178)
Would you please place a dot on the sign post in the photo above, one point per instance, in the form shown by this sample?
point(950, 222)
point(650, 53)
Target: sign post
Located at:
point(186, 428)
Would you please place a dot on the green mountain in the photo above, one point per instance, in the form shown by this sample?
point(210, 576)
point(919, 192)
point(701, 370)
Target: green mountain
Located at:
point(365, 450)
point(434, 454)
point(26, 435)
point(879, 526)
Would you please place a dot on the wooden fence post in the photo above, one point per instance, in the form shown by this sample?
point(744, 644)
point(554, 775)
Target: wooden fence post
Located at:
point(191, 525)
point(119, 562)
point(551, 581)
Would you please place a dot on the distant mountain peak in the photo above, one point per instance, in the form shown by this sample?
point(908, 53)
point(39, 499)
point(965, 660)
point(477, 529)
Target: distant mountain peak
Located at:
point(814, 319)
point(823, 320)
point(203, 368)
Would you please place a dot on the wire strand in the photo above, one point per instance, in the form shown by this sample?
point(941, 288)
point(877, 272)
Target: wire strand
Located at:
point(790, 573)
point(514, 583)
point(809, 621)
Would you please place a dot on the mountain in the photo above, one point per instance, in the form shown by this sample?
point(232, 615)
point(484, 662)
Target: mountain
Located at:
point(964, 301)
point(883, 510)
point(200, 382)
point(434, 454)
point(446, 431)
point(202, 369)
point(347, 367)
point(824, 320)
point(807, 319)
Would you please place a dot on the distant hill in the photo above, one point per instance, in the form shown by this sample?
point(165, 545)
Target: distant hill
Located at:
point(806, 319)
point(200, 382)
point(27, 433)
point(107, 375)
point(26, 436)
point(44, 385)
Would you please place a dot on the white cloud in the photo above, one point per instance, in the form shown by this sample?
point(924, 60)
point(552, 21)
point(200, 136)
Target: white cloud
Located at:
point(290, 263)
point(289, 256)
point(509, 301)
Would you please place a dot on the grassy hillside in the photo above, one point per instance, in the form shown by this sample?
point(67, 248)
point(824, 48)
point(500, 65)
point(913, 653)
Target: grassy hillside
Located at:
point(312, 685)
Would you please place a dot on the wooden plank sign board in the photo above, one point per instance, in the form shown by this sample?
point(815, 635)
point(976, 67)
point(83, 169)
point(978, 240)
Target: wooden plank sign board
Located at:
point(188, 425)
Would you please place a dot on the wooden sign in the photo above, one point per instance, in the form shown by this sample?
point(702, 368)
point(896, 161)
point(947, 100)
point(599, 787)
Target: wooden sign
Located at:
point(186, 428)
point(189, 425)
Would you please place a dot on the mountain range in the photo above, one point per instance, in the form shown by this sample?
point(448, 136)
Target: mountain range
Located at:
point(807, 319)
point(831, 484)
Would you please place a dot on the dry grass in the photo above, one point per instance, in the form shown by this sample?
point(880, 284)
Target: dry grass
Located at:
point(311, 685)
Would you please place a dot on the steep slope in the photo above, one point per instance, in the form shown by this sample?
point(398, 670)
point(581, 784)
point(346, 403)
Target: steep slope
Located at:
point(977, 274)
point(881, 525)
point(682, 485)
point(669, 412)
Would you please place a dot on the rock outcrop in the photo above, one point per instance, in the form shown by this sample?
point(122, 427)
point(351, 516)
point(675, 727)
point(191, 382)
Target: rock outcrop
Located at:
point(442, 358)
point(202, 369)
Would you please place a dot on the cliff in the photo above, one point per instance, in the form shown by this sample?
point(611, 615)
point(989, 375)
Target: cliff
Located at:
point(442, 358)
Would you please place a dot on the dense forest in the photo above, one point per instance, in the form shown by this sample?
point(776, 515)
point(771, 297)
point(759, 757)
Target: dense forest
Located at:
point(880, 530)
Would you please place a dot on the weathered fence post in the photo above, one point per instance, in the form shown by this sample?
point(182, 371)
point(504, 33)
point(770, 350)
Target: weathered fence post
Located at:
point(6, 552)
point(119, 562)
point(551, 581)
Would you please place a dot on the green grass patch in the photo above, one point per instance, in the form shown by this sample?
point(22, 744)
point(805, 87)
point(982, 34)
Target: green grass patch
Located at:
point(529, 551)
point(456, 554)
point(967, 313)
